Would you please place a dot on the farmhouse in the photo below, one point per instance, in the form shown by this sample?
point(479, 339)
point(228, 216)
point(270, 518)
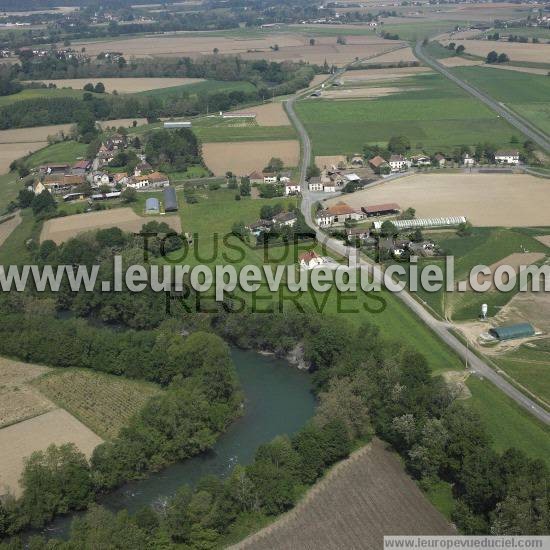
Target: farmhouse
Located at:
point(378, 164)
point(81, 167)
point(387, 209)
point(322, 184)
point(357, 233)
point(259, 227)
point(285, 218)
point(61, 183)
point(507, 157)
point(142, 168)
point(101, 178)
point(398, 163)
point(467, 160)
point(310, 260)
point(256, 177)
point(421, 160)
point(440, 159)
point(155, 179)
point(121, 178)
point(338, 213)
point(292, 188)
point(270, 177)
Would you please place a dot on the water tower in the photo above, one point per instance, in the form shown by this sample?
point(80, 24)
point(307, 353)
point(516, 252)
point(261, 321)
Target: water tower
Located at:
point(484, 310)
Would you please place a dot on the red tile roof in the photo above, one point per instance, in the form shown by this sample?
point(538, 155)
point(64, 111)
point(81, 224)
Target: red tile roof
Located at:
point(380, 207)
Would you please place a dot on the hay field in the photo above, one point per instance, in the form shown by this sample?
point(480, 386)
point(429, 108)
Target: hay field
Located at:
point(487, 200)
point(61, 229)
point(516, 51)
point(124, 85)
point(8, 226)
point(459, 62)
point(318, 79)
point(354, 506)
point(246, 156)
point(368, 75)
point(269, 114)
point(21, 440)
point(102, 402)
point(18, 400)
point(363, 93)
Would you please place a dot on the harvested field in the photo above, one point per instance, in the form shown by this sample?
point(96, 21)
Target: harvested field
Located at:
point(354, 506)
point(530, 70)
point(102, 402)
point(18, 400)
point(124, 85)
point(544, 239)
point(363, 93)
point(367, 75)
point(459, 62)
point(8, 226)
point(61, 229)
point(527, 307)
point(328, 160)
point(246, 156)
point(270, 114)
point(402, 54)
point(516, 51)
point(21, 440)
point(487, 200)
point(318, 79)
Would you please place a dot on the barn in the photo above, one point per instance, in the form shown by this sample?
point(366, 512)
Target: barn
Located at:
point(152, 206)
point(512, 332)
point(170, 200)
point(381, 209)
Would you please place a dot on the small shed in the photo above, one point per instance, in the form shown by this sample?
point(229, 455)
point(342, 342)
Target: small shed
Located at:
point(511, 332)
point(170, 200)
point(152, 206)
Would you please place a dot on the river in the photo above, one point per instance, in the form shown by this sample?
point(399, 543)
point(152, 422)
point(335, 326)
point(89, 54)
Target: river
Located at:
point(278, 400)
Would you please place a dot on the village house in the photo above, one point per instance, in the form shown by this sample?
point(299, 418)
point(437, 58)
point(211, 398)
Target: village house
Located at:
point(507, 157)
point(322, 184)
point(259, 227)
point(353, 233)
point(287, 219)
point(155, 179)
point(270, 177)
point(292, 188)
point(315, 184)
point(142, 168)
point(421, 160)
point(337, 214)
point(80, 168)
point(398, 163)
point(120, 179)
point(37, 187)
point(379, 165)
point(117, 141)
point(440, 159)
point(467, 160)
point(100, 178)
point(310, 260)
point(61, 183)
point(255, 177)
point(104, 155)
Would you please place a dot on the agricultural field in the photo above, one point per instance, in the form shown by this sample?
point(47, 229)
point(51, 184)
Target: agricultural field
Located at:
point(20, 440)
point(215, 131)
point(527, 94)
point(8, 225)
point(360, 76)
point(271, 114)
point(426, 108)
point(360, 500)
point(61, 229)
point(487, 200)
point(104, 403)
point(35, 93)
point(395, 56)
point(124, 85)
point(246, 156)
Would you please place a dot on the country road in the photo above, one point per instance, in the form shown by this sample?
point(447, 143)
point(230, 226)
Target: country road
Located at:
point(523, 125)
point(441, 328)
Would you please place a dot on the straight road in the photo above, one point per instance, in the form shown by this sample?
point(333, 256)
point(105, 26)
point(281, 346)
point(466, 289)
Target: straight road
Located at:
point(441, 328)
point(523, 125)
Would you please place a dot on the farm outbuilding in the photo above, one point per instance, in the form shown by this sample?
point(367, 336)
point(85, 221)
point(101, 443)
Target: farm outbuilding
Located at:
point(170, 200)
point(425, 222)
point(512, 332)
point(152, 206)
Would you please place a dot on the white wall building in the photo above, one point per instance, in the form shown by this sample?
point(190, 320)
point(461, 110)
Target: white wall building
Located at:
point(507, 157)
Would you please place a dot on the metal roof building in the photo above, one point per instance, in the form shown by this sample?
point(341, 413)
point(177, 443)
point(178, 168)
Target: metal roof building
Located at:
point(175, 124)
point(426, 222)
point(170, 200)
point(511, 332)
point(152, 206)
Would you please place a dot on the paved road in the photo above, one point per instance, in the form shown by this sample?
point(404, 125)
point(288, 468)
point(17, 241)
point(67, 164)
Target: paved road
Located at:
point(531, 131)
point(441, 328)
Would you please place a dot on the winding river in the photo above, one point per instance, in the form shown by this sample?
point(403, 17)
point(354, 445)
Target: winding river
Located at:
point(278, 400)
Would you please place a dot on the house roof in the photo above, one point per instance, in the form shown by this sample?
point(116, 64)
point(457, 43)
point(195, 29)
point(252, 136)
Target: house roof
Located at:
point(291, 184)
point(52, 179)
point(386, 207)
point(256, 175)
point(308, 256)
point(377, 161)
point(397, 158)
point(340, 209)
point(154, 176)
point(439, 156)
point(352, 177)
point(315, 179)
point(119, 176)
point(507, 153)
point(82, 164)
point(284, 217)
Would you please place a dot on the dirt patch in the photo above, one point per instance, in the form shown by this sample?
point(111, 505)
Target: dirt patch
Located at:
point(544, 239)
point(21, 440)
point(246, 156)
point(487, 200)
point(459, 62)
point(7, 227)
point(327, 161)
point(456, 380)
point(527, 307)
point(270, 114)
point(366, 75)
point(363, 93)
point(61, 229)
point(360, 500)
point(18, 400)
point(516, 51)
point(124, 85)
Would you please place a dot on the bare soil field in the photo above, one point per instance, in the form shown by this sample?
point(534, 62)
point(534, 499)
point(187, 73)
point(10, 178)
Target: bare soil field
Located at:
point(487, 200)
point(318, 79)
point(361, 499)
point(8, 226)
point(363, 93)
point(402, 54)
point(124, 85)
point(516, 51)
point(18, 400)
point(61, 229)
point(367, 75)
point(103, 403)
point(21, 440)
point(544, 239)
point(459, 62)
point(246, 156)
point(270, 114)
point(323, 161)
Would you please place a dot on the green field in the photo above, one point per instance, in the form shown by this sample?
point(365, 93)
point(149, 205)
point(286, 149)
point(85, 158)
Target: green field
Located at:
point(431, 111)
point(208, 86)
point(525, 93)
point(65, 151)
point(418, 30)
point(47, 93)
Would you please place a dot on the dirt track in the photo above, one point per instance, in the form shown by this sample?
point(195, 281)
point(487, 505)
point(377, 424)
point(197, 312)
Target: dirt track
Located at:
point(62, 229)
point(487, 200)
point(354, 506)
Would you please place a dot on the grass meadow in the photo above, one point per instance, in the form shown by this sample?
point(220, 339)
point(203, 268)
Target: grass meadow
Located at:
point(429, 110)
point(47, 93)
